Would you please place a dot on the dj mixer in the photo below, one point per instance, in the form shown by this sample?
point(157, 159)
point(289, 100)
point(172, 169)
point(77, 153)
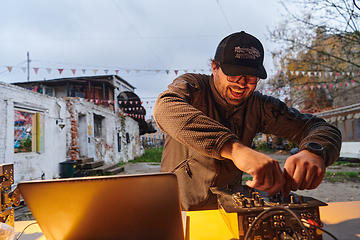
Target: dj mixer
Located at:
point(260, 217)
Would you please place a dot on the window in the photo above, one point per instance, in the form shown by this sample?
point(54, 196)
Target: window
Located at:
point(119, 141)
point(77, 91)
point(340, 126)
point(28, 131)
point(49, 91)
point(349, 129)
point(98, 126)
point(357, 128)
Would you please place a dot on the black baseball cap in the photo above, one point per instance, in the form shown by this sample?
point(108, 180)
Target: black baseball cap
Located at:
point(241, 54)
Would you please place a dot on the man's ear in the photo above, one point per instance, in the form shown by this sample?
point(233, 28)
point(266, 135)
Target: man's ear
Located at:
point(213, 68)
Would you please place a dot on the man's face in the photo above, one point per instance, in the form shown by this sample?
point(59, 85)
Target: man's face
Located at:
point(234, 93)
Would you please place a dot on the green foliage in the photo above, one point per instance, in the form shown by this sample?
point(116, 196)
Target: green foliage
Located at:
point(291, 145)
point(263, 147)
point(246, 178)
point(342, 176)
point(151, 155)
point(346, 164)
point(25, 144)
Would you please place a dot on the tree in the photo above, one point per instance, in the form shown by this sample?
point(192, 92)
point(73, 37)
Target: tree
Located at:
point(319, 57)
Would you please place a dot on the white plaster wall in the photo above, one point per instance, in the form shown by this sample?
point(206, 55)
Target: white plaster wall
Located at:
point(133, 149)
point(30, 166)
point(106, 147)
point(350, 149)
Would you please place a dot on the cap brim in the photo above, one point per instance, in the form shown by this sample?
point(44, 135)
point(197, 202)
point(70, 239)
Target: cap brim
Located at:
point(236, 70)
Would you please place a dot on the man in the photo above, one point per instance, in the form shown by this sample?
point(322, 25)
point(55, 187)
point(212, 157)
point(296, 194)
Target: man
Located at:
point(211, 121)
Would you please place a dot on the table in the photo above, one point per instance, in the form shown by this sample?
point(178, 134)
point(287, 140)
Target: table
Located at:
point(342, 219)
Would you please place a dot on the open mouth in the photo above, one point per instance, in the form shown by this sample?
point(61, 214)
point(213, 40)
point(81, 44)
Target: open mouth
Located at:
point(236, 92)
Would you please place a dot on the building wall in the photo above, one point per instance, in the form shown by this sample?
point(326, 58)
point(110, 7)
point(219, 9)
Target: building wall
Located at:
point(347, 120)
point(84, 118)
point(58, 144)
point(32, 165)
point(157, 139)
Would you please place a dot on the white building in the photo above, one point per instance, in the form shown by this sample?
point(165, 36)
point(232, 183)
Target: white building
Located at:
point(57, 120)
point(347, 119)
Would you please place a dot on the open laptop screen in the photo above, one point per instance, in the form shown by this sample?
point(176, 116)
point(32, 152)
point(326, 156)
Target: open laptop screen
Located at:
point(144, 206)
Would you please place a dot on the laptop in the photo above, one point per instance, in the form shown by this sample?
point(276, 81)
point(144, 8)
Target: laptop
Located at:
point(140, 206)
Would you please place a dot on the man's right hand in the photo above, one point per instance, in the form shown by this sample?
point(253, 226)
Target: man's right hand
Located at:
point(266, 172)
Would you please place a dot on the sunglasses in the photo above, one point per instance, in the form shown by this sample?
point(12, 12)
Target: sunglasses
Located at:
point(249, 79)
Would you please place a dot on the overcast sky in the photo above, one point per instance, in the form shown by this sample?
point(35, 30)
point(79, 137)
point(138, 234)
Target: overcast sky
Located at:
point(146, 40)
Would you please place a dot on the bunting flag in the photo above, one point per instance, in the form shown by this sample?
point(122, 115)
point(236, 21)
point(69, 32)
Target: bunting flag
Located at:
point(36, 70)
point(319, 86)
point(322, 73)
point(74, 71)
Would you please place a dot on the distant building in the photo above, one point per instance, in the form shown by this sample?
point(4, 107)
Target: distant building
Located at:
point(156, 138)
point(48, 122)
point(347, 119)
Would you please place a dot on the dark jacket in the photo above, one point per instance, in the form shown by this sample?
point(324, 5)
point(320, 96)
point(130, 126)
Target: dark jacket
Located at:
point(198, 122)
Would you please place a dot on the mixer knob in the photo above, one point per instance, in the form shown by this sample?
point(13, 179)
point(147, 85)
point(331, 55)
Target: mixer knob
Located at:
point(292, 199)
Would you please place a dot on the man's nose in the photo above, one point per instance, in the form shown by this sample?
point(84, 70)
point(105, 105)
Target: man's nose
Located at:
point(242, 81)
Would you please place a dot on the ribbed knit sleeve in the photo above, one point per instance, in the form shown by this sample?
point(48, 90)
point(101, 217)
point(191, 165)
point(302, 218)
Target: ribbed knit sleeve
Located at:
point(289, 123)
point(176, 116)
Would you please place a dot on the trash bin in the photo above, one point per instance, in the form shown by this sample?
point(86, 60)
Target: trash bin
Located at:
point(68, 169)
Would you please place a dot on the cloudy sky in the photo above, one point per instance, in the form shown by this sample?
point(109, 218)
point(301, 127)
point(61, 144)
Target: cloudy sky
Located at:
point(145, 41)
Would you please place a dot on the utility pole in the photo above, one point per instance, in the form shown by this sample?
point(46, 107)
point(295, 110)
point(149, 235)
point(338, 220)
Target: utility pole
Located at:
point(28, 67)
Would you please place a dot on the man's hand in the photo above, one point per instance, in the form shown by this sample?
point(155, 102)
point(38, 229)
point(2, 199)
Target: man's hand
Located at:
point(303, 170)
point(266, 172)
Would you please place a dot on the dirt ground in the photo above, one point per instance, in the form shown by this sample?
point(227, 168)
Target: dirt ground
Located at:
point(326, 192)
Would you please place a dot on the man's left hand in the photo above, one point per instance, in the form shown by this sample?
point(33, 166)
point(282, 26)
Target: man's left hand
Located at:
point(304, 170)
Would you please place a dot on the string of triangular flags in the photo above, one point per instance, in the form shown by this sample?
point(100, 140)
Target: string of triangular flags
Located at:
point(320, 73)
point(311, 86)
point(122, 109)
point(106, 71)
point(138, 116)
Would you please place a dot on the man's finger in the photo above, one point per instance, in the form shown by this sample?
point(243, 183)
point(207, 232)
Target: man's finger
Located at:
point(317, 180)
point(288, 173)
point(256, 182)
point(297, 178)
point(308, 179)
point(278, 181)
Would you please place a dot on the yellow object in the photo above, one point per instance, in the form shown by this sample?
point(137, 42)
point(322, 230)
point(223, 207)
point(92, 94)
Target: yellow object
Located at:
point(208, 225)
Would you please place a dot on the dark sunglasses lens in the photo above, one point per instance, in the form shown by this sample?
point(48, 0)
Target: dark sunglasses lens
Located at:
point(249, 79)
